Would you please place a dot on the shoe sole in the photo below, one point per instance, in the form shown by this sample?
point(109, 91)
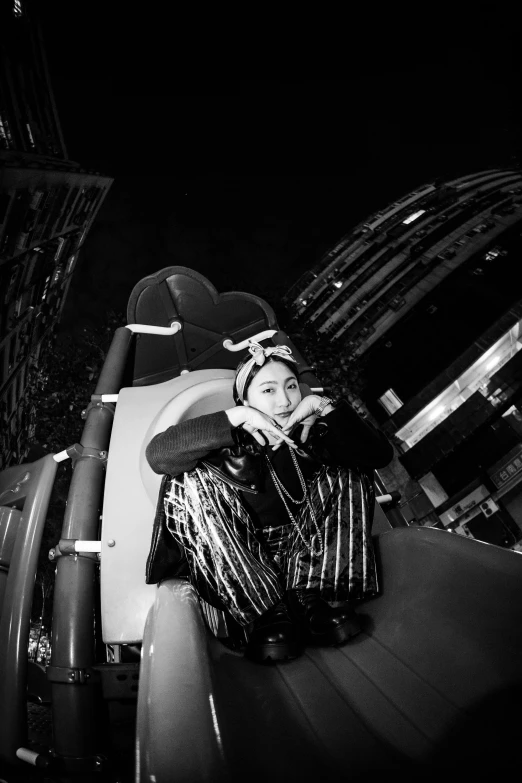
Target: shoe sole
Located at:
point(268, 653)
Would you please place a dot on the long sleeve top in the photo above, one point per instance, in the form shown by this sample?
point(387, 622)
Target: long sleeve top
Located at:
point(350, 440)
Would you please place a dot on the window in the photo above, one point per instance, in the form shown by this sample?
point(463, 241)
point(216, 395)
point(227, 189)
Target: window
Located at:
point(57, 274)
point(46, 287)
point(390, 402)
point(59, 247)
point(413, 216)
point(30, 134)
point(6, 140)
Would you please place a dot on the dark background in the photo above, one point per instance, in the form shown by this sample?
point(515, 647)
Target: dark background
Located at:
point(249, 181)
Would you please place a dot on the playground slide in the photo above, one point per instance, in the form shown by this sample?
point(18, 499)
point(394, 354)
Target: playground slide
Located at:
point(433, 682)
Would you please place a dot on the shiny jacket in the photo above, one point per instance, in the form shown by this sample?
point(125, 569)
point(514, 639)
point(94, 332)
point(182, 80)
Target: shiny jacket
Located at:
point(341, 438)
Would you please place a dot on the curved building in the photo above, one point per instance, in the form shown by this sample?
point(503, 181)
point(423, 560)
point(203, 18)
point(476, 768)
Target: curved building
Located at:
point(425, 297)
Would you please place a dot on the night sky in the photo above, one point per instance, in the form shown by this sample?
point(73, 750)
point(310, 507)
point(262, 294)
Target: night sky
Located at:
point(250, 181)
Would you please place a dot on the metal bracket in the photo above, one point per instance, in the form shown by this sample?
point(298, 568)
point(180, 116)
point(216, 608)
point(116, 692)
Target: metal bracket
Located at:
point(7, 500)
point(105, 401)
point(103, 398)
point(389, 501)
point(75, 546)
point(77, 451)
point(119, 680)
point(69, 675)
point(166, 331)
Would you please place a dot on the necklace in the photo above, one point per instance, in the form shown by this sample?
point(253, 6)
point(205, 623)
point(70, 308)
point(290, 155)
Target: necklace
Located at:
point(282, 491)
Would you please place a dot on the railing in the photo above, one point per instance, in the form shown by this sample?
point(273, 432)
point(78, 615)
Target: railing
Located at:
point(28, 486)
point(72, 649)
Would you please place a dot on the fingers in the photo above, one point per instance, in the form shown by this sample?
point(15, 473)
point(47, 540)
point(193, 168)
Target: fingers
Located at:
point(268, 428)
point(305, 432)
point(257, 435)
point(305, 421)
point(280, 435)
point(277, 444)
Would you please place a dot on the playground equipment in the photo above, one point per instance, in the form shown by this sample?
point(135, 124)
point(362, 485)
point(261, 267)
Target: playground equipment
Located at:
point(434, 680)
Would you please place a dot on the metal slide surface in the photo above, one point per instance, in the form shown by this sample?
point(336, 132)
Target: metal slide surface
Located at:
point(433, 682)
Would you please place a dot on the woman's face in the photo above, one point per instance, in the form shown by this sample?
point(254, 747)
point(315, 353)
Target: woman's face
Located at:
point(274, 391)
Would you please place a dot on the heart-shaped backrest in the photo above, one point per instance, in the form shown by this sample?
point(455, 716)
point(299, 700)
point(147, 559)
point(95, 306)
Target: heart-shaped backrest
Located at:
point(207, 317)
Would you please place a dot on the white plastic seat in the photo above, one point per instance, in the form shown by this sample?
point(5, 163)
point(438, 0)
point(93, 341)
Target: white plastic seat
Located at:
point(131, 491)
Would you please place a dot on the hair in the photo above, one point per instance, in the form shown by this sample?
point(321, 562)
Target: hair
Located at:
point(255, 369)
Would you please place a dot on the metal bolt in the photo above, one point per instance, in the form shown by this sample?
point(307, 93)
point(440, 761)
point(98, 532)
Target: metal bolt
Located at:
point(111, 542)
point(52, 554)
point(103, 453)
point(70, 676)
point(98, 555)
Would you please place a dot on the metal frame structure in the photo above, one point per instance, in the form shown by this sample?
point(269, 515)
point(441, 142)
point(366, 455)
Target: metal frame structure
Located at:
point(73, 672)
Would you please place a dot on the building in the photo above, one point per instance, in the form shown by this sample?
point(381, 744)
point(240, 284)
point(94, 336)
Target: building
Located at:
point(47, 206)
point(424, 297)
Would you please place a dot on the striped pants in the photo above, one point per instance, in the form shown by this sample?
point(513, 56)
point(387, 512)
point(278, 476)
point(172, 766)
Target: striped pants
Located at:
point(250, 569)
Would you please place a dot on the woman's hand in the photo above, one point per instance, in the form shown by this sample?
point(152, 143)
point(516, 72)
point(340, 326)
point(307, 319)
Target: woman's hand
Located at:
point(304, 414)
point(256, 423)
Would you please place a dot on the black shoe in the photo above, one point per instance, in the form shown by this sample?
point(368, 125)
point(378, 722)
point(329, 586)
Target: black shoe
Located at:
point(320, 622)
point(274, 637)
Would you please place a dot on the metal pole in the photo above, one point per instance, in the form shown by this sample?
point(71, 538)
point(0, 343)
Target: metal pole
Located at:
point(73, 695)
point(393, 515)
point(111, 376)
point(16, 614)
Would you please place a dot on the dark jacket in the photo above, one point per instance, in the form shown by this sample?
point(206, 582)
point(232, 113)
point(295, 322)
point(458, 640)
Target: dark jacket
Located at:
point(341, 437)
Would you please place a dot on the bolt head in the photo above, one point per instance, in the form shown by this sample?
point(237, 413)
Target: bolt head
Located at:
point(111, 542)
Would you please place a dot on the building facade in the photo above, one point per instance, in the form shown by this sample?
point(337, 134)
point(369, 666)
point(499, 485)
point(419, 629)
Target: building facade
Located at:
point(424, 298)
point(47, 206)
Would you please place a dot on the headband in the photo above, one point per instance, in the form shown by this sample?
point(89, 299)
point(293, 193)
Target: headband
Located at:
point(259, 357)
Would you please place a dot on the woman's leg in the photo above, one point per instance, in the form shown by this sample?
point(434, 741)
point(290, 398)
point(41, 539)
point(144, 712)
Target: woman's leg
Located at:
point(224, 552)
point(345, 569)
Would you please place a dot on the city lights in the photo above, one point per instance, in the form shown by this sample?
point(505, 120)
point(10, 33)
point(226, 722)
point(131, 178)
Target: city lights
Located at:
point(436, 412)
point(413, 217)
point(492, 363)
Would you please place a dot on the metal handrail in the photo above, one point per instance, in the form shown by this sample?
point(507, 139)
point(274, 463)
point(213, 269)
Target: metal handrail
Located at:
point(16, 612)
point(72, 657)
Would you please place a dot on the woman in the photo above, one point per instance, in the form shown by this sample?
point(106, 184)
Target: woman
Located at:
point(272, 504)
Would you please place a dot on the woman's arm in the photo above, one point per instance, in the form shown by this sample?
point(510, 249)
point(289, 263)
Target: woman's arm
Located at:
point(180, 447)
point(345, 438)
